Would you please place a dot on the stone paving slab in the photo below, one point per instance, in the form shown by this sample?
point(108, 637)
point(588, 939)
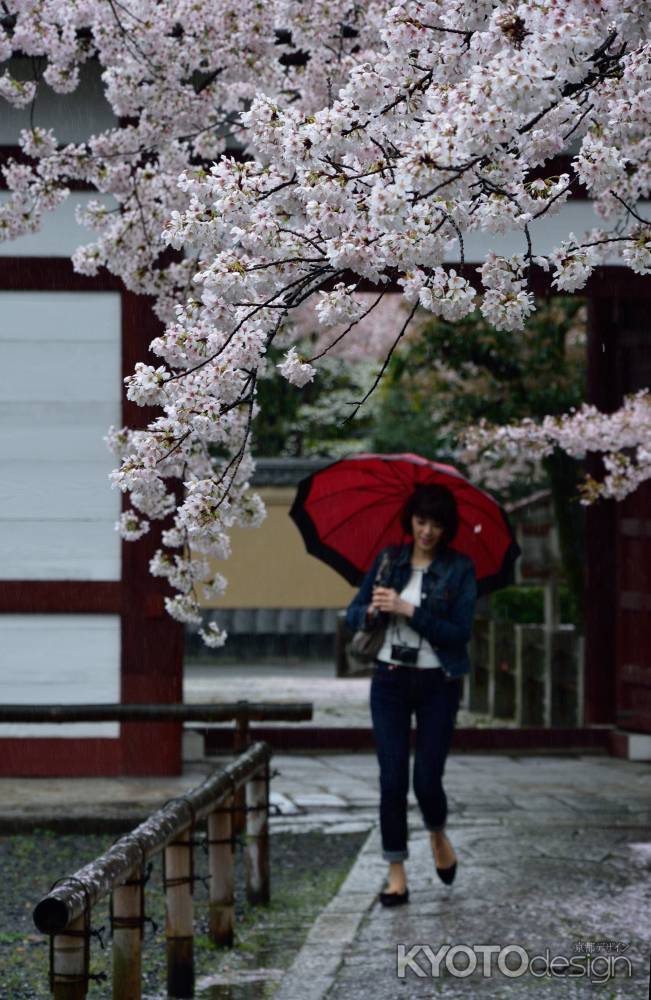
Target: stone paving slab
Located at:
point(568, 878)
point(517, 899)
point(341, 788)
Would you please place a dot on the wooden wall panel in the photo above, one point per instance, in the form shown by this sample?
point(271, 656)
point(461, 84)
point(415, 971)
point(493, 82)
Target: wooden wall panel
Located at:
point(618, 636)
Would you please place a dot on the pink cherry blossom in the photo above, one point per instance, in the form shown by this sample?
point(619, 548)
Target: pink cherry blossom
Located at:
point(267, 159)
point(500, 455)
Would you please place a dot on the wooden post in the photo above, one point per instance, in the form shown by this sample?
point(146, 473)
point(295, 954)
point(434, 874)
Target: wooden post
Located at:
point(220, 867)
point(530, 674)
point(552, 615)
point(580, 681)
point(503, 667)
point(519, 677)
point(127, 937)
point(478, 680)
point(566, 679)
point(240, 743)
point(257, 838)
point(178, 917)
point(69, 957)
point(491, 667)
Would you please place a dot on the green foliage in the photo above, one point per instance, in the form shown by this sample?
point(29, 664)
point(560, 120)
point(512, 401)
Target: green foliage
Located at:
point(310, 421)
point(404, 422)
point(445, 378)
point(451, 375)
point(525, 605)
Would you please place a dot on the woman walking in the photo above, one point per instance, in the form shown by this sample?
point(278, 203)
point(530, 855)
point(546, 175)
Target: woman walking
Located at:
point(427, 599)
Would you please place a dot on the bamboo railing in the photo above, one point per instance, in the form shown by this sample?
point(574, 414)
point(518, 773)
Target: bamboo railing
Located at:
point(65, 912)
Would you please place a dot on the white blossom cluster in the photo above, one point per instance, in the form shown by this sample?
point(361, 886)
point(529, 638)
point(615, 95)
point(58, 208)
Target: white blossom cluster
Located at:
point(380, 135)
point(622, 439)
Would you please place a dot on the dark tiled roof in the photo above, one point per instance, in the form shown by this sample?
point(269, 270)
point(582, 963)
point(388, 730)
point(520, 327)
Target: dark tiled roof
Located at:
point(285, 471)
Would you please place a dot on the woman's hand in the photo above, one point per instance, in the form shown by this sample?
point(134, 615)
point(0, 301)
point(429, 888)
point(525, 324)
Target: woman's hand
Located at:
point(389, 600)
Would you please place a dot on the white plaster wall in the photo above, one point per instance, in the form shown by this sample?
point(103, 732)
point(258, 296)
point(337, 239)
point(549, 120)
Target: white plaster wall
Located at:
point(60, 234)
point(547, 232)
point(73, 117)
point(60, 387)
point(60, 659)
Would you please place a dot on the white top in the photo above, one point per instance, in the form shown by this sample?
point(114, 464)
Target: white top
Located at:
point(400, 631)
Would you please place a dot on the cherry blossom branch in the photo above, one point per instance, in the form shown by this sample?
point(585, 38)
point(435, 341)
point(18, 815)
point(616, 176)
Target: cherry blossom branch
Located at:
point(350, 326)
point(384, 366)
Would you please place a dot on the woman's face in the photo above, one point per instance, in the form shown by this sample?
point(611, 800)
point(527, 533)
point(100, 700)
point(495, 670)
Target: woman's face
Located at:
point(426, 531)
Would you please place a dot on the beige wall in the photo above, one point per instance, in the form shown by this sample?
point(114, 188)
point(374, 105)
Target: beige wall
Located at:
point(269, 567)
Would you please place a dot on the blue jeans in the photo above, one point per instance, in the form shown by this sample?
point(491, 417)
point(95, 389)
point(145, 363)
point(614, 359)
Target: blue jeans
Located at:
point(395, 694)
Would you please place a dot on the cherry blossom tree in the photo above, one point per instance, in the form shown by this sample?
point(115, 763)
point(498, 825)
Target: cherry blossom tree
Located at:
point(398, 132)
point(177, 76)
point(622, 439)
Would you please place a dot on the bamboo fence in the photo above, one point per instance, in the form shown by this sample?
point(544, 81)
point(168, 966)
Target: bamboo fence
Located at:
point(120, 873)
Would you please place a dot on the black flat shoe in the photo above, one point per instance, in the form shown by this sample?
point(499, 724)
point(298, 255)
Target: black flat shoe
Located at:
point(447, 874)
point(394, 898)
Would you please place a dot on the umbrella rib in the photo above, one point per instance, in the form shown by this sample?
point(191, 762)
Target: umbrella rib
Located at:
point(340, 524)
point(493, 514)
point(375, 481)
point(313, 501)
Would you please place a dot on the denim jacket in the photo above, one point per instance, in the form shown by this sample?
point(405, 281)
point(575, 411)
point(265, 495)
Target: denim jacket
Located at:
point(446, 611)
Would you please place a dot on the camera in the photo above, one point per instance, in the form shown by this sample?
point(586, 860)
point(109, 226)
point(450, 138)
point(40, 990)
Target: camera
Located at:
point(407, 655)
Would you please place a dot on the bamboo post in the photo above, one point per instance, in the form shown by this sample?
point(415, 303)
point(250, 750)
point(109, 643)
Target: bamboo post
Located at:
point(178, 916)
point(127, 925)
point(257, 838)
point(240, 743)
point(69, 962)
point(221, 870)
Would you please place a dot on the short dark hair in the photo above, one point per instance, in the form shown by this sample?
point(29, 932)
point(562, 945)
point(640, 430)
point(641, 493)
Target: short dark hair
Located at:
point(437, 502)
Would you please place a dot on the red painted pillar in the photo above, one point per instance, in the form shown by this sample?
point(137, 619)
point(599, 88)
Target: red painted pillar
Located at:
point(601, 540)
point(618, 637)
point(152, 642)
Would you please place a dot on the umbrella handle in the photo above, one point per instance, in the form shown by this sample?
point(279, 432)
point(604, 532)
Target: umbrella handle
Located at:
point(383, 571)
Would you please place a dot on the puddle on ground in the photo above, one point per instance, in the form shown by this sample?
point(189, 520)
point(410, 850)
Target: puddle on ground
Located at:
point(241, 984)
point(254, 972)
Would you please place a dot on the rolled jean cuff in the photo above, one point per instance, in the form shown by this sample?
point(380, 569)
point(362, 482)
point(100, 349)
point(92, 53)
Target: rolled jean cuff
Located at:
point(395, 855)
point(436, 829)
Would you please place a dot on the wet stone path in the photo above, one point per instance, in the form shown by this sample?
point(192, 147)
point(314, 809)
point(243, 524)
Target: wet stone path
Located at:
point(554, 860)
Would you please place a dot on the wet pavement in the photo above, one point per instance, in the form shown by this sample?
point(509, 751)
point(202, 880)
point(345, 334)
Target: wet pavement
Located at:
point(338, 701)
point(554, 858)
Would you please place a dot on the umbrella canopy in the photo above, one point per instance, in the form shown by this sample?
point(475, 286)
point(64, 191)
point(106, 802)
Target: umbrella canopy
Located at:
point(350, 510)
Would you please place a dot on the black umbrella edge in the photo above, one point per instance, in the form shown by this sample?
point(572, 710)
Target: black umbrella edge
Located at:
point(505, 575)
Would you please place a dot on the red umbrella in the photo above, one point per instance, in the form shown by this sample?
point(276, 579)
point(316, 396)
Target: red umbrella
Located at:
point(350, 510)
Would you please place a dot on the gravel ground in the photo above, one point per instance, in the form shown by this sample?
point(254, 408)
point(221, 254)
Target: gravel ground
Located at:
point(306, 871)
